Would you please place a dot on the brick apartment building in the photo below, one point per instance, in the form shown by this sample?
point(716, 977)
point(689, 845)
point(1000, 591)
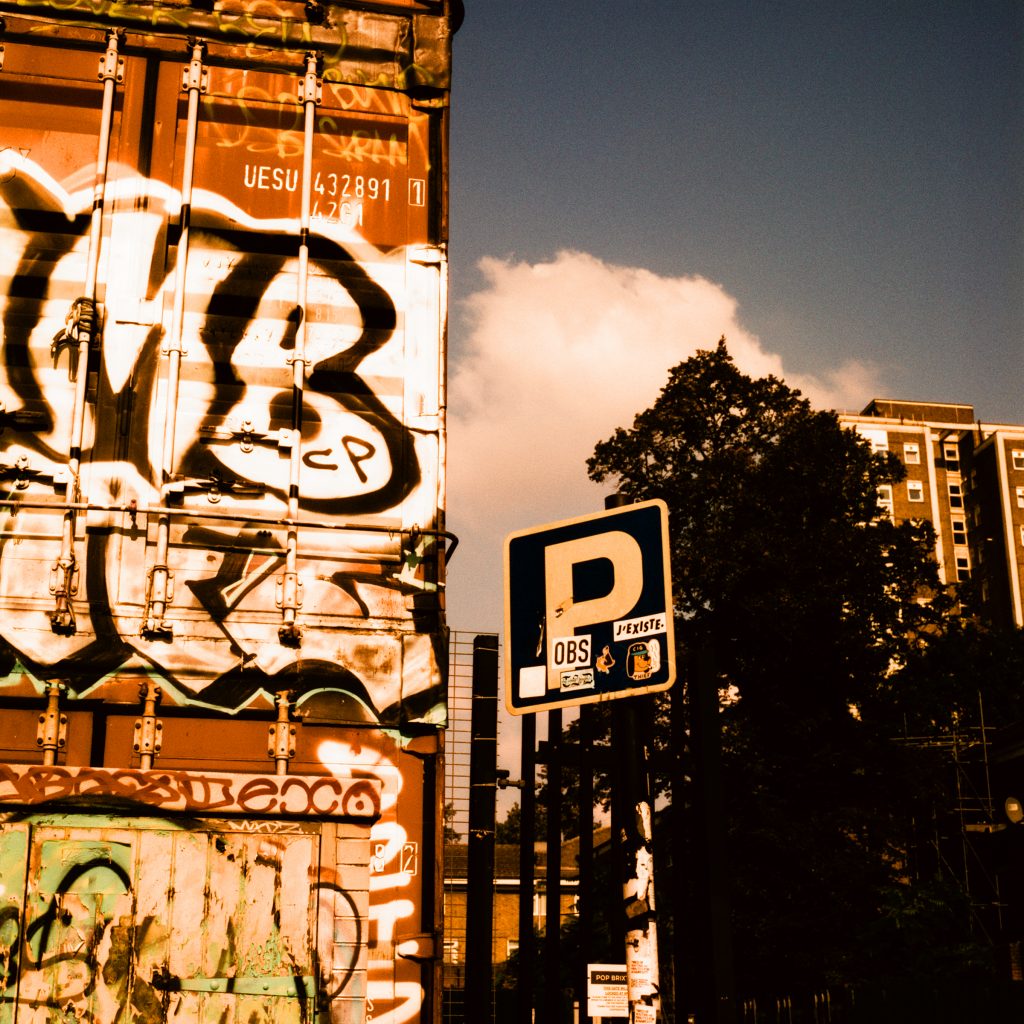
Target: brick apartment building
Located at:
point(967, 478)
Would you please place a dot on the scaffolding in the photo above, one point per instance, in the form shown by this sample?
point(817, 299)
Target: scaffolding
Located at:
point(960, 833)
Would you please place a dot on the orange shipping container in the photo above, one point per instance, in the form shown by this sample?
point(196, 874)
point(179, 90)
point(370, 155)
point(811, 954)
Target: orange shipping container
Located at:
point(222, 641)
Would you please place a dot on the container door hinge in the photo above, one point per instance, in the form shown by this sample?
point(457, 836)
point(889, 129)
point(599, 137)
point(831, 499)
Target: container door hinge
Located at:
point(148, 728)
point(281, 735)
point(289, 600)
point(111, 64)
point(52, 734)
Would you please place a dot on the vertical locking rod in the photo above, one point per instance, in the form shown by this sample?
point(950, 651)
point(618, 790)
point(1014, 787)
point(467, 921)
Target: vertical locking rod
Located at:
point(159, 591)
point(290, 588)
point(83, 326)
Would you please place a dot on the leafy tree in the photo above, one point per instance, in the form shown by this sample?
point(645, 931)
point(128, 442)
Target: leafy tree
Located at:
point(966, 670)
point(509, 830)
point(815, 608)
point(449, 835)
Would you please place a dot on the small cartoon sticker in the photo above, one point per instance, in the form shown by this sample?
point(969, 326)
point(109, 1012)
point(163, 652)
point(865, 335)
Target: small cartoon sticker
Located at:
point(605, 660)
point(643, 659)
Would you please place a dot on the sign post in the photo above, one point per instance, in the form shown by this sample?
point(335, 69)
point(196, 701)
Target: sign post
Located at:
point(588, 618)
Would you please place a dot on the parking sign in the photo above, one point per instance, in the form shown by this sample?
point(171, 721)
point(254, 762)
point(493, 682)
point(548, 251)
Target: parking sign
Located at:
point(588, 609)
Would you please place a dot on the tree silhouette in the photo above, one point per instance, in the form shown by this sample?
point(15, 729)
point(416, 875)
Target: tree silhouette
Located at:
point(817, 610)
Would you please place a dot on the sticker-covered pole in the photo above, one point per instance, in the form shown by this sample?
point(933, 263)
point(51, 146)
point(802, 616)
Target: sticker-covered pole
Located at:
point(636, 848)
point(637, 857)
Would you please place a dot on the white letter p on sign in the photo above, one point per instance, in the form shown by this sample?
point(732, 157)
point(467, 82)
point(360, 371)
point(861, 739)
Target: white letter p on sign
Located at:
point(563, 615)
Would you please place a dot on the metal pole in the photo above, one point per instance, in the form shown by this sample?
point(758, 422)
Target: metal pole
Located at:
point(482, 793)
point(83, 328)
point(289, 587)
point(679, 819)
point(527, 846)
point(586, 831)
point(553, 874)
point(718, 995)
point(194, 80)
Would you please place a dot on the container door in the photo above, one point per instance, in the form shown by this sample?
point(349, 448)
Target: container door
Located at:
point(148, 921)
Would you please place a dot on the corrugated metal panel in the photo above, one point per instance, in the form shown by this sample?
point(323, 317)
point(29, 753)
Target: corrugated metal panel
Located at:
point(222, 308)
point(213, 526)
point(398, 44)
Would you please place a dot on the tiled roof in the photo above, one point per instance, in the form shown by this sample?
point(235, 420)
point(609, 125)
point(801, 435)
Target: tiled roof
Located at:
point(506, 858)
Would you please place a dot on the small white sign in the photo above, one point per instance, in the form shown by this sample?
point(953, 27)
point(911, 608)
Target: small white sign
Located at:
point(606, 990)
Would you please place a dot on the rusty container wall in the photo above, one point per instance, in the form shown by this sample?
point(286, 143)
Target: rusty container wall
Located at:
point(223, 317)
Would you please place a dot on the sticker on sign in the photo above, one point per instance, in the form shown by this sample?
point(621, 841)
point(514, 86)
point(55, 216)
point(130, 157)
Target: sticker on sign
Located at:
point(577, 681)
point(571, 652)
point(632, 628)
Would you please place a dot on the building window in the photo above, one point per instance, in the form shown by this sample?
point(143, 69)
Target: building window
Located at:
point(878, 439)
point(951, 453)
point(885, 500)
point(915, 490)
point(1018, 459)
point(1020, 497)
point(911, 454)
point(956, 496)
point(960, 531)
point(963, 568)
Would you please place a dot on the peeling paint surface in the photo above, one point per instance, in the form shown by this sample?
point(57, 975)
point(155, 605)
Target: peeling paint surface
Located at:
point(144, 920)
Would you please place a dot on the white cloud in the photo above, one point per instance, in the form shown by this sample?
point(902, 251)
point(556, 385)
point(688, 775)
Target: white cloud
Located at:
point(553, 357)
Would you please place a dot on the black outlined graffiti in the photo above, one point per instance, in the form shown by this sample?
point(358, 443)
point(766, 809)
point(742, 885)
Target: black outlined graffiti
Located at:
point(245, 564)
point(40, 954)
point(352, 470)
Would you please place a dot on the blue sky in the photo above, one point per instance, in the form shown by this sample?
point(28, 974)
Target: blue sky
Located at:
point(837, 187)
